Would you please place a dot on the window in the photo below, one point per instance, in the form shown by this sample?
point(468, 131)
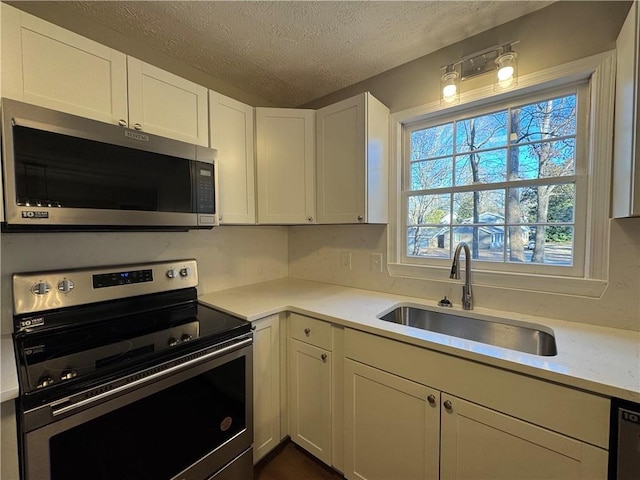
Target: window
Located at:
point(504, 179)
point(532, 202)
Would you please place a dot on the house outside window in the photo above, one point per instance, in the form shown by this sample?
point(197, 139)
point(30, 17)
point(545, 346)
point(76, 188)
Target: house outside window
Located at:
point(522, 176)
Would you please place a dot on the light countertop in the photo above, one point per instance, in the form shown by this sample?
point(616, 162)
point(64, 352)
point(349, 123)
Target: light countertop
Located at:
point(602, 360)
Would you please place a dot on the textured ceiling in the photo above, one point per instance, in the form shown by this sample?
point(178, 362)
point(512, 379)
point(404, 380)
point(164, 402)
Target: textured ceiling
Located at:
point(293, 52)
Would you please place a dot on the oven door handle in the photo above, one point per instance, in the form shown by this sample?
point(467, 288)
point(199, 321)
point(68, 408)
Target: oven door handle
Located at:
point(57, 409)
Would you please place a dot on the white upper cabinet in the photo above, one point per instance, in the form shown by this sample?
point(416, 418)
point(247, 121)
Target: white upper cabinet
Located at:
point(626, 164)
point(231, 124)
point(285, 165)
point(352, 143)
point(164, 104)
point(52, 67)
point(46, 65)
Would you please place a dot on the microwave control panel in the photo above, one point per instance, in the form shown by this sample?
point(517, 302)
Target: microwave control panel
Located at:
point(205, 192)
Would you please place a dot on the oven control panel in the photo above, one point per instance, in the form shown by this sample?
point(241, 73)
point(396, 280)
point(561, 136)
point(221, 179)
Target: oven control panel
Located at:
point(42, 291)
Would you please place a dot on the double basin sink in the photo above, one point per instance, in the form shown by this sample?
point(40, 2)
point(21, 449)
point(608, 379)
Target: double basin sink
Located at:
point(528, 338)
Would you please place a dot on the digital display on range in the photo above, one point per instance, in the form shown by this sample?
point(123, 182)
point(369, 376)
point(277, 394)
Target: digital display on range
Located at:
point(122, 278)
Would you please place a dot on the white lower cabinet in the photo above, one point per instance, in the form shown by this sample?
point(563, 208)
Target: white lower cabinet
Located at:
point(398, 428)
point(479, 443)
point(266, 386)
point(310, 398)
point(392, 426)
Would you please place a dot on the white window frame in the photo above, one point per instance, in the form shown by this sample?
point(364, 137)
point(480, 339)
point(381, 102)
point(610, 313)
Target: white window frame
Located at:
point(599, 71)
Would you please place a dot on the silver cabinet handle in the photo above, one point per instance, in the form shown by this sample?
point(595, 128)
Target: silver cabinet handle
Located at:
point(310, 219)
point(360, 218)
point(431, 399)
point(137, 126)
point(447, 405)
point(122, 123)
point(324, 358)
point(307, 331)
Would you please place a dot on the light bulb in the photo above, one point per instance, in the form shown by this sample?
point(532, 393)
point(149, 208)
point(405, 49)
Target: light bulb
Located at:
point(449, 92)
point(505, 73)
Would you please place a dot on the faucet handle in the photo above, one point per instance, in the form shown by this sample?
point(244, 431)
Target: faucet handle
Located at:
point(445, 302)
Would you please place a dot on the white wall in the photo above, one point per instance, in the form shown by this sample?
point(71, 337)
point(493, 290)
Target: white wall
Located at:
point(314, 254)
point(227, 256)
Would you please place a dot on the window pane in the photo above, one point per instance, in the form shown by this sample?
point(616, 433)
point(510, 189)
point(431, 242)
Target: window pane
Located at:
point(432, 142)
point(489, 205)
point(545, 160)
point(432, 242)
point(429, 209)
point(490, 167)
point(486, 131)
point(431, 174)
point(543, 204)
point(544, 120)
point(486, 242)
point(554, 246)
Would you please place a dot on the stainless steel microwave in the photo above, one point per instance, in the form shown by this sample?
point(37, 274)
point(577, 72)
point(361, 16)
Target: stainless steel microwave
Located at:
point(63, 172)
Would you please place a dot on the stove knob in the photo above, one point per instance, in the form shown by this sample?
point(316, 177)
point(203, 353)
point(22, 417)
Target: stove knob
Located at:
point(44, 381)
point(172, 273)
point(172, 342)
point(41, 288)
point(185, 272)
point(65, 286)
point(68, 374)
point(186, 337)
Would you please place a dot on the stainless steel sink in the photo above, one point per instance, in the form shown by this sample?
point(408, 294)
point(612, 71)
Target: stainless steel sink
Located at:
point(528, 339)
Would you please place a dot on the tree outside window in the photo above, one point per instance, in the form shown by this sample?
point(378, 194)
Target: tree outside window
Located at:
point(503, 181)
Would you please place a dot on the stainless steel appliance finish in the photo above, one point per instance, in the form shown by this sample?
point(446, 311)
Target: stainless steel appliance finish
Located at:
point(70, 173)
point(149, 385)
point(624, 452)
point(528, 339)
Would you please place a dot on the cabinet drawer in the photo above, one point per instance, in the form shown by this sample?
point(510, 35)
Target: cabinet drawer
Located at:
point(310, 330)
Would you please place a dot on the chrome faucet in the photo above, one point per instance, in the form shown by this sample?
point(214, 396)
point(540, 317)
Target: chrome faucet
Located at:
point(467, 295)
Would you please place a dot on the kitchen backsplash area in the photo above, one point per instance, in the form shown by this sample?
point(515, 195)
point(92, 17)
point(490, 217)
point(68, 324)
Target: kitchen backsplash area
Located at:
point(343, 255)
point(227, 256)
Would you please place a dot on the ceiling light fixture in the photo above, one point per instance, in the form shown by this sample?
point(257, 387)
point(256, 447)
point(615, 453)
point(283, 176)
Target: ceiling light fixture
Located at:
point(501, 60)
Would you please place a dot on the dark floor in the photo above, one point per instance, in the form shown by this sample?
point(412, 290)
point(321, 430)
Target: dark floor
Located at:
point(290, 462)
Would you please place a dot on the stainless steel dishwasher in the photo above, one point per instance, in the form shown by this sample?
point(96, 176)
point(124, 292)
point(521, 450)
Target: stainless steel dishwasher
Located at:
point(624, 460)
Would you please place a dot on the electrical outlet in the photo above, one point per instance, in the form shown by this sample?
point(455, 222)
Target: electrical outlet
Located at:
point(376, 262)
point(345, 260)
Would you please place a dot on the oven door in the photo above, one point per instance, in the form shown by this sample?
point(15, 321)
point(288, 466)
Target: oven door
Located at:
point(186, 425)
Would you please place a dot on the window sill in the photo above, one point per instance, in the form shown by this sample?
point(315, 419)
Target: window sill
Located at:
point(581, 287)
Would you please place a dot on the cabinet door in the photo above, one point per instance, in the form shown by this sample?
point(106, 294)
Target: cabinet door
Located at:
point(231, 125)
point(49, 66)
point(626, 165)
point(340, 161)
point(266, 386)
point(391, 427)
point(478, 443)
point(310, 398)
point(285, 165)
point(352, 141)
point(164, 104)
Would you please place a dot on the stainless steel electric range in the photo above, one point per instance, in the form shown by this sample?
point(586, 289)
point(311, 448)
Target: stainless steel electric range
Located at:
point(124, 375)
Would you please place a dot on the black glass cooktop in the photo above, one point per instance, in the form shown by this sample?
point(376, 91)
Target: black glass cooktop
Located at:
point(98, 342)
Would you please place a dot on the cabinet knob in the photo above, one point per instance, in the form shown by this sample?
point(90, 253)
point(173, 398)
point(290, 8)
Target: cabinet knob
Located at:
point(137, 126)
point(324, 358)
point(431, 399)
point(307, 331)
point(122, 122)
point(447, 405)
point(360, 218)
point(310, 219)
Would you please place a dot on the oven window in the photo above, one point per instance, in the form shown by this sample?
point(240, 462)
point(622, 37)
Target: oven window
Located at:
point(63, 171)
point(159, 436)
